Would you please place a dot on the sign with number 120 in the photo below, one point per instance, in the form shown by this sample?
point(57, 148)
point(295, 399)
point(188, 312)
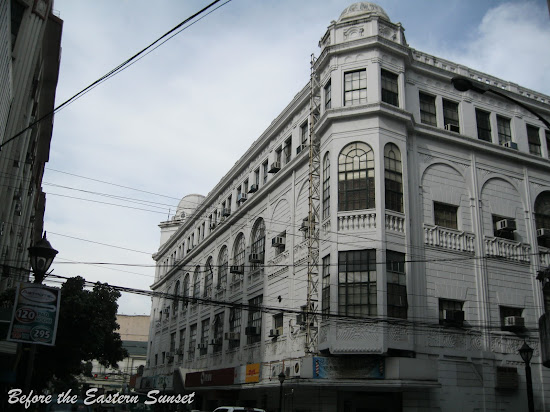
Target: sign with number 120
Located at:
point(35, 314)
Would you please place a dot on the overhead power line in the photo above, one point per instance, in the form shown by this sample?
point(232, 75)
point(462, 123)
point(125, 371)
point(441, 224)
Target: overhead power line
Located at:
point(142, 53)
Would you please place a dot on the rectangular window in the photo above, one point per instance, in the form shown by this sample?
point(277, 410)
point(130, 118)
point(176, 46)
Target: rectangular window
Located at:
point(357, 283)
point(235, 326)
point(304, 133)
point(205, 334)
point(534, 140)
point(192, 342)
point(264, 171)
point(483, 125)
point(278, 155)
point(450, 312)
point(390, 89)
point(257, 177)
point(278, 323)
point(547, 135)
point(504, 131)
point(245, 186)
point(355, 87)
point(450, 116)
point(181, 347)
point(325, 303)
point(397, 285)
point(427, 109)
point(328, 96)
point(218, 332)
point(255, 320)
point(287, 152)
point(445, 215)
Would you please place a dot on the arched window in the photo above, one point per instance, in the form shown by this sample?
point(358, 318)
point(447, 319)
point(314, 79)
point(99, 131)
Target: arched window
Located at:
point(542, 217)
point(257, 248)
point(239, 250)
point(222, 268)
point(326, 186)
point(356, 177)
point(197, 283)
point(208, 278)
point(176, 304)
point(186, 281)
point(393, 178)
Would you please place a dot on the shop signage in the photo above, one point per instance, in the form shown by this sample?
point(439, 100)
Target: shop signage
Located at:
point(217, 377)
point(35, 315)
point(252, 373)
point(345, 368)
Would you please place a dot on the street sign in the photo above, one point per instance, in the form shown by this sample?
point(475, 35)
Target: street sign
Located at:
point(35, 314)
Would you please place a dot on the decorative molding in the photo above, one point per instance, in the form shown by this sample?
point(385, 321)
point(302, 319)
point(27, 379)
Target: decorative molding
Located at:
point(353, 33)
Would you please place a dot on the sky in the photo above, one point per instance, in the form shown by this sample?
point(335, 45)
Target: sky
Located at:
point(175, 122)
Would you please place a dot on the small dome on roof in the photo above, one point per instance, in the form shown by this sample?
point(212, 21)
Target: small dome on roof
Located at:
point(362, 9)
point(187, 205)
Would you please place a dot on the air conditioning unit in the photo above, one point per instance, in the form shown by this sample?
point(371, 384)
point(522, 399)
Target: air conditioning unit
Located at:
point(300, 148)
point(256, 258)
point(508, 225)
point(452, 128)
point(511, 145)
point(273, 333)
point(241, 197)
point(454, 317)
point(253, 188)
point(166, 310)
point(275, 167)
point(514, 322)
point(238, 269)
point(226, 212)
point(278, 241)
point(232, 336)
point(202, 346)
point(252, 331)
point(544, 233)
point(216, 342)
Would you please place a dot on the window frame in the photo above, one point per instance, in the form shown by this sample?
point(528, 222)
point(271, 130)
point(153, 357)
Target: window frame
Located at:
point(393, 178)
point(504, 129)
point(328, 95)
point(444, 220)
point(426, 116)
point(533, 140)
point(355, 87)
point(483, 125)
point(451, 115)
point(389, 82)
point(352, 299)
point(396, 278)
point(255, 318)
point(326, 186)
point(351, 194)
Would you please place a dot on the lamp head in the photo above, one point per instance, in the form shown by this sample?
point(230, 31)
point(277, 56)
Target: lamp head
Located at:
point(462, 84)
point(282, 377)
point(41, 255)
point(526, 353)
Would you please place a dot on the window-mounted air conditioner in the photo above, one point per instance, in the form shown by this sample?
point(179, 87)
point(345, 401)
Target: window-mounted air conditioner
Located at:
point(241, 197)
point(232, 336)
point(256, 258)
point(275, 167)
point(506, 224)
point(506, 378)
point(166, 310)
point(202, 346)
point(544, 233)
point(511, 145)
point(252, 331)
point(454, 317)
point(238, 269)
point(452, 128)
point(273, 333)
point(226, 212)
point(216, 342)
point(278, 241)
point(253, 188)
point(514, 322)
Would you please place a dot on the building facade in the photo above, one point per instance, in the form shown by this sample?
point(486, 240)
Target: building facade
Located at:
point(30, 47)
point(434, 209)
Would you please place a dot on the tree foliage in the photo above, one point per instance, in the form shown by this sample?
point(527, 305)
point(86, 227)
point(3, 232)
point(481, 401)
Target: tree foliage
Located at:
point(86, 331)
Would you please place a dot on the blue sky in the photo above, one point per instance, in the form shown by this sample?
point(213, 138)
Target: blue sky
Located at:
point(176, 121)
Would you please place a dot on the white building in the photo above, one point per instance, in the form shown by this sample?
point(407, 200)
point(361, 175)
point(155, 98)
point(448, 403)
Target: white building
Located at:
point(434, 216)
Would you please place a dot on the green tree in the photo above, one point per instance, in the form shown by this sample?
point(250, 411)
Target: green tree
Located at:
point(86, 331)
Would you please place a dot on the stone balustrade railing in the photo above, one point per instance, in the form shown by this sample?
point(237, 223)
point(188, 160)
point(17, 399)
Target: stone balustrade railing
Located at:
point(509, 249)
point(446, 238)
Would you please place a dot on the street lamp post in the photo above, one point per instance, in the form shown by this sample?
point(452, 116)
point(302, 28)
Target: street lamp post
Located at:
point(526, 353)
point(41, 256)
point(463, 84)
point(281, 379)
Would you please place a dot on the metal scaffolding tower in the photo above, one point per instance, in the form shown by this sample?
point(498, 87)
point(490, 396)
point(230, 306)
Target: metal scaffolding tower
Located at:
point(312, 304)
